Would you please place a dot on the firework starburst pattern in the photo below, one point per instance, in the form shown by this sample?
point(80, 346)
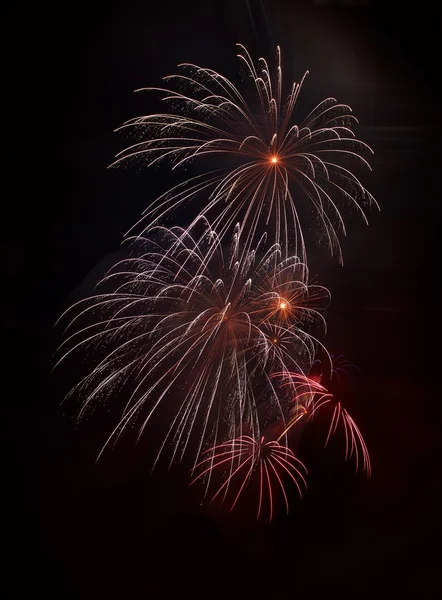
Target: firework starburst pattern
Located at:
point(211, 334)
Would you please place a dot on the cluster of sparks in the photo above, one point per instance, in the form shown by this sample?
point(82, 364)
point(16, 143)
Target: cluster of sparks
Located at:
point(247, 455)
point(214, 328)
point(263, 162)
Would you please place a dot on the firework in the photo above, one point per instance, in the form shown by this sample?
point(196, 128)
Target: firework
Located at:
point(269, 171)
point(191, 331)
point(265, 464)
point(309, 396)
point(206, 337)
point(245, 459)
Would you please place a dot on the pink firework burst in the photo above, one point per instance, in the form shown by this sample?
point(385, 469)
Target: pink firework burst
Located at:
point(243, 459)
point(309, 395)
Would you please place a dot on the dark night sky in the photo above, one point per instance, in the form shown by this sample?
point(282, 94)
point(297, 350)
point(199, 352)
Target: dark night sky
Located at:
point(76, 531)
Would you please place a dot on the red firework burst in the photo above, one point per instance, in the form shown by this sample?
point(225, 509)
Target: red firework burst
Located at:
point(242, 459)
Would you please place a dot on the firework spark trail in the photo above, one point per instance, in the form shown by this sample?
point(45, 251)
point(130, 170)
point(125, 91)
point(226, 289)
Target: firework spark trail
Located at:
point(341, 368)
point(272, 160)
point(171, 321)
point(270, 462)
point(309, 396)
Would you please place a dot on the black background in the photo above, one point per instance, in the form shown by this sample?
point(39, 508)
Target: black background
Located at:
point(79, 531)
